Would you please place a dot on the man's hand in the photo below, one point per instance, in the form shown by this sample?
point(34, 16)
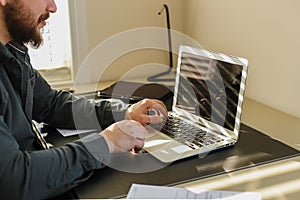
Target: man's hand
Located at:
point(139, 111)
point(124, 136)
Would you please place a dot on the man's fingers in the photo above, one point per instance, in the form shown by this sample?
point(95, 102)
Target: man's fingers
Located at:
point(132, 128)
point(138, 143)
point(160, 108)
point(148, 119)
point(156, 119)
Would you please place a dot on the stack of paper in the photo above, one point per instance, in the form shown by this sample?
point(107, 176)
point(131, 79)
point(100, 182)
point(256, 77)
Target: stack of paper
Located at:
point(138, 191)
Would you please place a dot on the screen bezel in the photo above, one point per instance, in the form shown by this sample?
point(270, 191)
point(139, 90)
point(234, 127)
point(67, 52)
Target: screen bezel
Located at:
point(218, 57)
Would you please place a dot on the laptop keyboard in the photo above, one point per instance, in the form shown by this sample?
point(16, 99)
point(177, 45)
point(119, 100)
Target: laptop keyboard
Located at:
point(186, 133)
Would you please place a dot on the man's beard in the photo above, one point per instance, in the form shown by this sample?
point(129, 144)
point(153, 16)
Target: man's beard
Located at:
point(21, 25)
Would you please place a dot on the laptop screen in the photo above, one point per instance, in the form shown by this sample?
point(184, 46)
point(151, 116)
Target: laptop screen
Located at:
point(209, 87)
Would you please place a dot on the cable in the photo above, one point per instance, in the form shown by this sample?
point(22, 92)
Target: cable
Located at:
point(155, 78)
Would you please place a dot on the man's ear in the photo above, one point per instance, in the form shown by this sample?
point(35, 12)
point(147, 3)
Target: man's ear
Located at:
point(3, 2)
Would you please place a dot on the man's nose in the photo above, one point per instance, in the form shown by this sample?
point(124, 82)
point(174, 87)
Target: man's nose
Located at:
point(51, 6)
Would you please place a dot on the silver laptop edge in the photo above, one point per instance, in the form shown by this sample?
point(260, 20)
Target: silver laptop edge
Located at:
point(167, 149)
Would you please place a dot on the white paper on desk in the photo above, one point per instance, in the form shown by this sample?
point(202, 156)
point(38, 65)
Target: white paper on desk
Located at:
point(70, 132)
point(138, 191)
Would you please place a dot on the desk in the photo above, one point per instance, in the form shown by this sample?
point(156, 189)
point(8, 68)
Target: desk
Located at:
point(274, 123)
point(276, 180)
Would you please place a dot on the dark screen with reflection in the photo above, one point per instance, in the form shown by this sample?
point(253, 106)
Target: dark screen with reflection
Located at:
point(209, 88)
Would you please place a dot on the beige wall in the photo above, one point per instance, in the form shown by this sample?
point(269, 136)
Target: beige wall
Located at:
point(267, 32)
point(106, 19)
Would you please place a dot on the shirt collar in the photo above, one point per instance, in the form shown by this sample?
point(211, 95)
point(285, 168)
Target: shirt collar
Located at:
point(18, 47)
point(5, 54)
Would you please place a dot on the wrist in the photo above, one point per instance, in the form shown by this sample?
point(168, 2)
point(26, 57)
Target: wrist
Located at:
point(127, 113)
point(110, 145)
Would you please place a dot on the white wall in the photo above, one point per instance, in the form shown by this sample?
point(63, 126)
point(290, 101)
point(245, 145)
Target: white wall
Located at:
point(267, 32)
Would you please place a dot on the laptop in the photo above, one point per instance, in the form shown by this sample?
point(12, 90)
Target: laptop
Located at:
point(207, 106)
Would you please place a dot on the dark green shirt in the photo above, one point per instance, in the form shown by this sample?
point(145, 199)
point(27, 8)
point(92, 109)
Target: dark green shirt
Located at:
point(28, 173)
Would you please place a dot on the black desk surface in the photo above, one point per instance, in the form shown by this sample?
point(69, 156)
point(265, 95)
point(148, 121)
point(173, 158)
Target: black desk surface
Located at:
point(253, 148)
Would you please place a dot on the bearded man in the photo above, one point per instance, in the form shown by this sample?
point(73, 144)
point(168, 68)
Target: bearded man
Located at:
point(28, 168)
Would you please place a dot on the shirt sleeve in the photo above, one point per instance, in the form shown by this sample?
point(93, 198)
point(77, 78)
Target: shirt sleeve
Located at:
point(47, 173)
point(65, 110)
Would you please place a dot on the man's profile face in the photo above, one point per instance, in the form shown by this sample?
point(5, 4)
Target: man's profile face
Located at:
point(21, 23)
